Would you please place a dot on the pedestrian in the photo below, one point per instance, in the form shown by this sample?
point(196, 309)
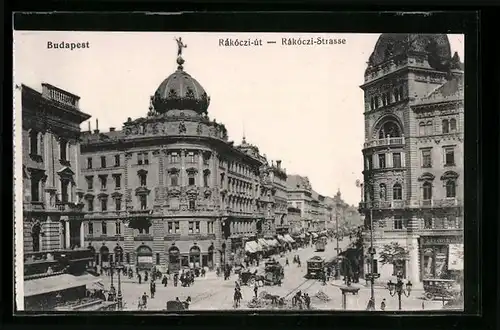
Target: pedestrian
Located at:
point(145, 276)
point(152, 288)
point(165, 280)
point(382, 305)
point(237, 297)
point(145, 300)
point(307, 301)
point(176, 279)
point(286, 262)
point(255, 289)
point(140, 278)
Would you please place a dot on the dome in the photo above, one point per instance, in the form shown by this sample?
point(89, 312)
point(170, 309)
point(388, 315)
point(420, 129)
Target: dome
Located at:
point(180, 91)
point(390, 45)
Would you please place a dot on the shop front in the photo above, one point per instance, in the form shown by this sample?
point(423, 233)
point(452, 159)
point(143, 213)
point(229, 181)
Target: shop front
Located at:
point(174, 259)
point(435, 259)
point(144, 257)
point(194, 257)
point(207, 260)
point(237, 251)
point(104, 256)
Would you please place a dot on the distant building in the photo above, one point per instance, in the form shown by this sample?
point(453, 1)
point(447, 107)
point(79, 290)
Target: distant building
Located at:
point(413, 152)
point(294, 220)
point(52, 198)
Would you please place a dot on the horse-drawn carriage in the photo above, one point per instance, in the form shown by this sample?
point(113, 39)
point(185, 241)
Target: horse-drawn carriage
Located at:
point(246, 277)
point(273, 273)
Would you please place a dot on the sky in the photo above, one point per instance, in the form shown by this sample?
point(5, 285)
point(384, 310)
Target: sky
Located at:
point(298, 104)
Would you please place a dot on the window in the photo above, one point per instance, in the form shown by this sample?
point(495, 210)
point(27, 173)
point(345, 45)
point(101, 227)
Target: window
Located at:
point(381, 161)
point(372, 103)
point(384, 100)
point(397, 192)
point(426, 158)
point(192, 204)
point(89, 163)
point(170, 227)
point(64, 191)
point(427, 222)
point(428, 128)
point(91, 205)
point(398, 223)
point(33, 135)
point(157, 258)
point(396, 95)
point(174, 158)
point(210, 227)
point(191, 225)
point(91, 228)
point(143, 179)
point(449, 157)
point(35, 189)
point(382, 191)
point(127, 257)
point(118, 181)
point(191, 157)
point(396, 160)
point(63, 147)
point(174, 180)
point(177, 227)
point(376, 102)
point(104, 204)
point(144, 202)
point(118, 226)
point(139, 159)
point(450, 189)
point(222, 179)
point(401, 96)
point(104, 181)
point(427, 191)
point(206, 158)
point(117, 160)
point(104, 228)
point(197, 227)
point(118, 204)
point(421, 129)
point(453, 125)
point(446, 127)
point(90, 182)
point(191, 180)
point(103, 161)
point(146, 159)
point(206, 175)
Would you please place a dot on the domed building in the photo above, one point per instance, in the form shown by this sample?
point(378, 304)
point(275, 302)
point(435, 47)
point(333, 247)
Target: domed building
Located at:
point(413, 156)
point(170, 189)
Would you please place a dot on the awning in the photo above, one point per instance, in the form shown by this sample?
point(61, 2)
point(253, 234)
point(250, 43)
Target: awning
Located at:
point(289, 238)
point(252, 247)
point(263, 243)
point(282, 239)
point(57, 283)
point(314, 235)
point(273, 242)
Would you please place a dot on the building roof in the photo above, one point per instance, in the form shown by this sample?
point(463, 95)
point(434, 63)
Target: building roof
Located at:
point(297, 182)
point(452, 90)
point(180, 91)
point(390, 45)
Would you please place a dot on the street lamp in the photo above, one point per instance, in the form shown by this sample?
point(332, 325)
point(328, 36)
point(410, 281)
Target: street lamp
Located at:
point(119, 268)
point(337, 266)
point(399, 289)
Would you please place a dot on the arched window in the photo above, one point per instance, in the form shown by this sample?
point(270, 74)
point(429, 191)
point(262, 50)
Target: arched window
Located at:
point(450, 188)
point(174, 180)
point(382, 192)
point(376, 102)
point(453, 125)
point(390, 129)
point(427, 191)
point(396, 94)
point(421, 129)
point(446, 127)
point(397, 192)
point(401, 93)
point(206, 177)
point(191, 179)
point(33, 135)
point(428, 128)
point(194, 256)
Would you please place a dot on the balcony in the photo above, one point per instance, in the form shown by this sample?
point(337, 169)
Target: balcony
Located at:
point(33, 206)
point(395, 204)
point(69, 207)
point(172, 237)
point(143, 237)
point(393, 141)
point(437, 227)
point(399, 204)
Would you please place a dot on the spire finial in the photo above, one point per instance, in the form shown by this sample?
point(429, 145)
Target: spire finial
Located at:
point(180, 46)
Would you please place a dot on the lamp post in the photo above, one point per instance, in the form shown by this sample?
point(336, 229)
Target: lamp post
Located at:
point(337, 266)
point(119, 268)
point(399, 289)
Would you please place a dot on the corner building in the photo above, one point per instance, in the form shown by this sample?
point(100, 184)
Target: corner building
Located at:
point(413, 153)
point(52, 198)
point(170, 188)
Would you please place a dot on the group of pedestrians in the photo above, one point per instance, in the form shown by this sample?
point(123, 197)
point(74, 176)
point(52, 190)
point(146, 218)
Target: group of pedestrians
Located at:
point(301, 300)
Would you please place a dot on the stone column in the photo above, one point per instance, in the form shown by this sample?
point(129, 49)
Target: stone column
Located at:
point(82, 235)
point(67, 234)
point(413, 269)
point(200, 169)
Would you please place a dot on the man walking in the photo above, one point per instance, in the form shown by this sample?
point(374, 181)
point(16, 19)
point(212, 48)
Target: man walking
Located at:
point(255, 290)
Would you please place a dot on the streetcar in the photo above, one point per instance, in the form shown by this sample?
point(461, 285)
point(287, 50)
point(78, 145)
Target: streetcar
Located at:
point(320, 244)
point(315, 267)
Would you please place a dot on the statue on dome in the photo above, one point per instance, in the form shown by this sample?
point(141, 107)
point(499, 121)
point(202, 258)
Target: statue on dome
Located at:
point(182, 127)
point(180, 45)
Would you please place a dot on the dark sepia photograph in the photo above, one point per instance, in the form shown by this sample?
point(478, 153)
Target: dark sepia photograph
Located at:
point(193, 171)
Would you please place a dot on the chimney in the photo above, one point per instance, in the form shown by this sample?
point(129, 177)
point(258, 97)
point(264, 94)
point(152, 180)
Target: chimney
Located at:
point(96, 131)
point(111, 129)
point(278, 164)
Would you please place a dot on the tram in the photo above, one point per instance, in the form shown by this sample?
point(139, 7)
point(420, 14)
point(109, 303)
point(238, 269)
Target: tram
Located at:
point(321, 244)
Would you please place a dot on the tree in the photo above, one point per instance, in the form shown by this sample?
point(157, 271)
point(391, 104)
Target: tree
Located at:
point(393, 254)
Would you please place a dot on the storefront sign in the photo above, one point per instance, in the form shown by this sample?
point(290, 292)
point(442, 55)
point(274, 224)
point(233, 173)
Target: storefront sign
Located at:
point(145, 259)
point(456, 257)
point(441, 240)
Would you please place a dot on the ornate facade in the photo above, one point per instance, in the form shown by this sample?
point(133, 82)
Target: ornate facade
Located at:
point(52, 198)
point(172, 189)
point(413, 152)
